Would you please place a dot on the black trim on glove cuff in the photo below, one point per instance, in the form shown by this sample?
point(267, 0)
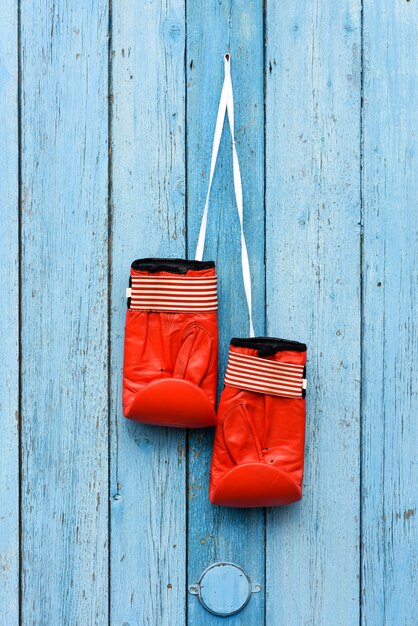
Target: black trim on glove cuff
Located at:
point(268, 346)
point(175, 266)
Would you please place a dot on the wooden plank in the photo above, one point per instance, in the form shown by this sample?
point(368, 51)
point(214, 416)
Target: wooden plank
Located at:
point(215, 533)
point(9, 318)
point(390, 344)
point(148, 163)
point(64, 313)
point(313, 75)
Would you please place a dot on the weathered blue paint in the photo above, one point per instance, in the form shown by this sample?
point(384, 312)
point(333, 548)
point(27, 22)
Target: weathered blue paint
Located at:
point(9, 319)
point(115, 521)
point(148, 471)
point(390, 309)
point(213, 28)
point(313, 76)
point(64, 313)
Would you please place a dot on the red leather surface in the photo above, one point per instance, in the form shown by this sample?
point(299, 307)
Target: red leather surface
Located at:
point(258, 452)
point(171, 347)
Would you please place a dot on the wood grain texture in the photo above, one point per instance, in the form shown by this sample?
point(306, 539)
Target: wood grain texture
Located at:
point(9, 319)
point(148, 522)
point(390, 342)
point(216, 533)
point(332, 167)
point(64, 313)
point(313, 63)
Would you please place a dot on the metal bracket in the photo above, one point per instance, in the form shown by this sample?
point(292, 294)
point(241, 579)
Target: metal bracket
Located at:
point(224, 589)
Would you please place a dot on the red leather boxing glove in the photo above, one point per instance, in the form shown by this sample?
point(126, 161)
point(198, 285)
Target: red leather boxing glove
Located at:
point(258, 451)
point(171, 343)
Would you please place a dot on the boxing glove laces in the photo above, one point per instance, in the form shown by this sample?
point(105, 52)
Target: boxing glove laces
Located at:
point(258, 451)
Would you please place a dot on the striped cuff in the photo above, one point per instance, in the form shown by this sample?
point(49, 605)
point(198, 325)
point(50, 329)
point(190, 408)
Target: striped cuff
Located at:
point(173, 294)
point(260, 375)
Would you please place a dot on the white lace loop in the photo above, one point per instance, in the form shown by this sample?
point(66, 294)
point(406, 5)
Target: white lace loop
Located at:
point(226, 105)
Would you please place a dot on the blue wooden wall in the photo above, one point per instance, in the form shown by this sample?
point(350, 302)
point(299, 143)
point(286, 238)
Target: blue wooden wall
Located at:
point(108, 110)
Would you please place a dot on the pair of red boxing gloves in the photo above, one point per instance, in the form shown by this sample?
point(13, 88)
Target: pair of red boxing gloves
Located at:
point(171, 368)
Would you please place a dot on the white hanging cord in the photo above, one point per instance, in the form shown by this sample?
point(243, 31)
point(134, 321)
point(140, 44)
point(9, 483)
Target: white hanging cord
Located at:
point(238, 192)
point(226, 104)
point(215, 148)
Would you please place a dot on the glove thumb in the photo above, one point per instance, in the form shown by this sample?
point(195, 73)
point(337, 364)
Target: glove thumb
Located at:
point(241, 437)
point(193, 358)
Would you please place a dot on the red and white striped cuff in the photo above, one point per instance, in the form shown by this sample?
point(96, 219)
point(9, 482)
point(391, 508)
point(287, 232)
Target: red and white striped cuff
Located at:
point(264, 376)
point(173, 294)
